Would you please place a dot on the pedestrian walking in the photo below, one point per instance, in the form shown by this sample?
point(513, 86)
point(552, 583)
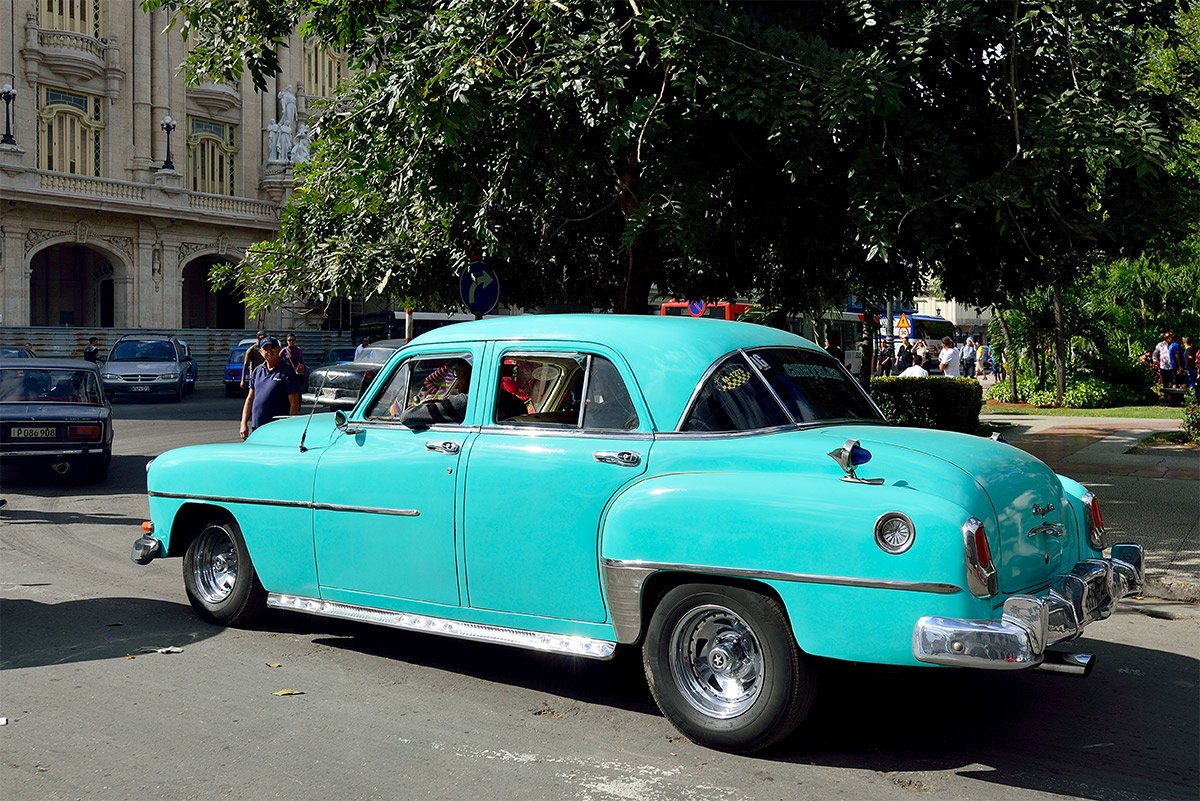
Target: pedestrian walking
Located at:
point(253, 357)
point(362, 344)
point(967, 359)
point(1190, 354)
point(950, 359)
point(274, 390)
point(1164, 359)
point(92, 352)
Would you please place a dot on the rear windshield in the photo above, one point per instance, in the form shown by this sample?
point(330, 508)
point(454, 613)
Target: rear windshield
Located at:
point(375, 355)
point(773, 387)
point(143, 351)
point(48, 385)
point(237, 356)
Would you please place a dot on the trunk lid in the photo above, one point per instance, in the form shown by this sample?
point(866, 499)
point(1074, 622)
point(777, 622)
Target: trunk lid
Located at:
point(1034, 536)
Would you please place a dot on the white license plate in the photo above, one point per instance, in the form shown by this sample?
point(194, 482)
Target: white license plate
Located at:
point(326, 392)
point(34, 433)
point(139, 389)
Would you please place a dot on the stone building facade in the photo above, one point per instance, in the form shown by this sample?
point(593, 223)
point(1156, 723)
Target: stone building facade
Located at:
point(101, 226)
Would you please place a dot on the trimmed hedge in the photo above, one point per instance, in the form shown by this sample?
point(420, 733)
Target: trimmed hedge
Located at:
point(950, 404)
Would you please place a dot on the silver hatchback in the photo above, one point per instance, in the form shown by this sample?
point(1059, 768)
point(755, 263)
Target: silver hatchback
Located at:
point(147, 365)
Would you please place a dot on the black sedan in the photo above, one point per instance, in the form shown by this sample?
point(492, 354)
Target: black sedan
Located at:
point(55, 412)
point(340, 385)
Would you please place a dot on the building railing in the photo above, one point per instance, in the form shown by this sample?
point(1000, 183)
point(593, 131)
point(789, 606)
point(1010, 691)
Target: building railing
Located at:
point(232, 205)
point(74, 41)
point(83, 185)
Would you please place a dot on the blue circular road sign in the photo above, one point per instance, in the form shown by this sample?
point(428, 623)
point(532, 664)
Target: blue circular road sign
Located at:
point(479, 288)
point(696, 308)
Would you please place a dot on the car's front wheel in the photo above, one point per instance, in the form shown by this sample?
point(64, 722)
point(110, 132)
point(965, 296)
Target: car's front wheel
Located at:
point(724, 667)
point(220, 580)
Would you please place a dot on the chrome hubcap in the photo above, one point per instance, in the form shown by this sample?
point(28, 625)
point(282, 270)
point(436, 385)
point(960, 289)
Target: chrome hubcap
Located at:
point(216, 565)
point(716, 661)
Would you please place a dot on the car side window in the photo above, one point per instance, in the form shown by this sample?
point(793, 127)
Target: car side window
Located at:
point(606, 404)
point(562, 390)
point(424, 391)
point(733, 398)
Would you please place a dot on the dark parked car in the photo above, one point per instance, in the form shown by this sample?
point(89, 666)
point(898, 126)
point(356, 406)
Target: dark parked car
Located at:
point(147, 364)
point(339, 355)
point(55, 412)
point(340, 385)
point(10, 352)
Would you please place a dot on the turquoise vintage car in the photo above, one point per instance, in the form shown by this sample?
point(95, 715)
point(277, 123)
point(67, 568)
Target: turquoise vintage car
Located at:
point(723, 495)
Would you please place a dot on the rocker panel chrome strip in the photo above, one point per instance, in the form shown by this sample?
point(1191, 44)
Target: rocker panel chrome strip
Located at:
point(568, 644)
point(327, 507)
point(623, 580)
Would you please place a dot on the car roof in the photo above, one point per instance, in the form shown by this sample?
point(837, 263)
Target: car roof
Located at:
point(387, 343)
point(146, 337)
point(46, 364)
point(669, 355)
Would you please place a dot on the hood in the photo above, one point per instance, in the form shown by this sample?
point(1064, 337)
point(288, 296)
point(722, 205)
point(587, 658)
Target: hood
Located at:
point(151, 368)
point(1025, 494)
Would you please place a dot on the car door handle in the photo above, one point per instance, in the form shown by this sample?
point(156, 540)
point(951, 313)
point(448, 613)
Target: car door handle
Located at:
point(446, 447)
point(622, 458)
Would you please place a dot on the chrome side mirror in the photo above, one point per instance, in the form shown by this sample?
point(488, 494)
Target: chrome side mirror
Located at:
point(342, 421)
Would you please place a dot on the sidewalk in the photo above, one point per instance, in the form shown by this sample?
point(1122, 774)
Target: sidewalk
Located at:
point(1148, 494)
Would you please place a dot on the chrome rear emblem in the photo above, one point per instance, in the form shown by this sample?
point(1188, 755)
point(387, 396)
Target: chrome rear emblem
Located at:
point(1042, 511)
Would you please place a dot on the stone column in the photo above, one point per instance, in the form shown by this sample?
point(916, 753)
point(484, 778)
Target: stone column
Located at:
point(143, 124)
point(160, 89)
point(14, 274)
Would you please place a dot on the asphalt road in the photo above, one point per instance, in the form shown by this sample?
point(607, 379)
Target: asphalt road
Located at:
point(93, 712)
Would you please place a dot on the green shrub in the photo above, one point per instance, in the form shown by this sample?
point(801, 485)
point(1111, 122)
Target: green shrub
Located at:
point(949, 404)
point(1000, 391)
point(1191, 416)
point(1042, 398)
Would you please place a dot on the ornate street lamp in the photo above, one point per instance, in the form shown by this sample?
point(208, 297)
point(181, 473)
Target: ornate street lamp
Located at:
point(168, 125)
point(9, 96)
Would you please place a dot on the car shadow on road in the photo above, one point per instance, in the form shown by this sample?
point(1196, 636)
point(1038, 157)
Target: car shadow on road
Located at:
point(618, 682)
point(37, 634)
point(126, 474)
point(1127, 731)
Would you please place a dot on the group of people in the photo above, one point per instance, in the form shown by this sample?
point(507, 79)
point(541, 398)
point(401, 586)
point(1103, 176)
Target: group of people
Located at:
point(271, 375)
point(916, 359)
point(1177, 360)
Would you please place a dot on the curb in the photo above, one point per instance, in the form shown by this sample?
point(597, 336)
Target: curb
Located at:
point(1173, 589)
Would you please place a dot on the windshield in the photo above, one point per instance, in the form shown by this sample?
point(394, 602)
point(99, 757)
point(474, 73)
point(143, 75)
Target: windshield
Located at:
point(153, 350)
point(48, 385)
point(375, 355)
point(801, 386)
point(238, 355)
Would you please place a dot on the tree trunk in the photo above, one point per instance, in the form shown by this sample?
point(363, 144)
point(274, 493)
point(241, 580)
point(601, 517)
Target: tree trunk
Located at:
point(1008, 350)
point(1060, 355)
point(868, 350)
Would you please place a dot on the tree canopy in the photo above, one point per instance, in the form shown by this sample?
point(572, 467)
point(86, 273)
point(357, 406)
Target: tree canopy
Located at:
point(794, 152)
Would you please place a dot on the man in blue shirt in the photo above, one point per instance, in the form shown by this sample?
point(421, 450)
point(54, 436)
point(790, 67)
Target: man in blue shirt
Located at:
point(274, 389)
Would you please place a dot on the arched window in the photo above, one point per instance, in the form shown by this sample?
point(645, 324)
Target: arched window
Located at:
point(70, 132)
point(76, 16)
point(323, 71)
point(212, 155)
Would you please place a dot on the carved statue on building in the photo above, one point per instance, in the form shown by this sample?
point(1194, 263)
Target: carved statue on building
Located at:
point(299, 153)
point(287, 108)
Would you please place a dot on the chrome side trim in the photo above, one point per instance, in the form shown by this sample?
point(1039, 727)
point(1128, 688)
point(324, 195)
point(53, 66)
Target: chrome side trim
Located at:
point(624, 579)
point(571, 645)
point(326, 507)
point(1047, 529)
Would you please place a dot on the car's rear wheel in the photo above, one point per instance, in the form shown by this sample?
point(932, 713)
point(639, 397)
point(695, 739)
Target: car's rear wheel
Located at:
point(724, 667)
point(220, 580)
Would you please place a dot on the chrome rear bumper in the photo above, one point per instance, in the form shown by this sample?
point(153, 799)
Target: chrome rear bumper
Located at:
point(1086, 593)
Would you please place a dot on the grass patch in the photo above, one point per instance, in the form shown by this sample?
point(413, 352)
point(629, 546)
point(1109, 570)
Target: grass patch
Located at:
point(1143, 412)
point(1173, 438)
